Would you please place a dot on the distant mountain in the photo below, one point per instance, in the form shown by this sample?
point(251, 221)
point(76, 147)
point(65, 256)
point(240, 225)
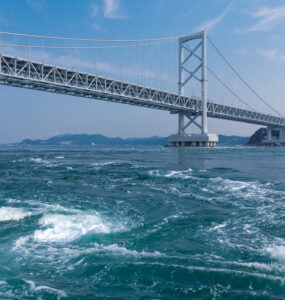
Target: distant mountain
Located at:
point(95, 139)
point(98, 139)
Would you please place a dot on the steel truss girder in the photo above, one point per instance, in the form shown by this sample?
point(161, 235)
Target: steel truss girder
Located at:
point(38, 76)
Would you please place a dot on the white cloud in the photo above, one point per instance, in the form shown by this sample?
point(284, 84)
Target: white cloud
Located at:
point(269, 18)
point(273, 54)
point(96, 26)
point(210, 24)
point(94, 10)
point(112, 9)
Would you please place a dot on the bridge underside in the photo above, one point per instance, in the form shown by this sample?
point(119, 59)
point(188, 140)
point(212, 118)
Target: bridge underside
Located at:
point(218, 112)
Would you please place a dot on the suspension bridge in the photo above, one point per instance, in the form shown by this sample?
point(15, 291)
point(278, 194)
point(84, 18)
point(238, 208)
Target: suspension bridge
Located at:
point(203, 90)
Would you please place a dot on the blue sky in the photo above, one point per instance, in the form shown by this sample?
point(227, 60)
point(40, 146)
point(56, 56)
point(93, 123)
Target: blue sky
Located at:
point(250, 33)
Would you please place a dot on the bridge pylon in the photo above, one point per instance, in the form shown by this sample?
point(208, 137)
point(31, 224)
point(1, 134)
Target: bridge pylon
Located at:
point(188, 72)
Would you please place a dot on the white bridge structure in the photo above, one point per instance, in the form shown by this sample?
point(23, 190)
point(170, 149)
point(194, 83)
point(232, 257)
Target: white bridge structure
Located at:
point(32, 74)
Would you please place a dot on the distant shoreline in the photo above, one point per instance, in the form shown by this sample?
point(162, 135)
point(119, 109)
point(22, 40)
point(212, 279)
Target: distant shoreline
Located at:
point(101, 140)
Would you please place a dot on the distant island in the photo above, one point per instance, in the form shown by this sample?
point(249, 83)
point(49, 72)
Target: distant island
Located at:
point(98, 139)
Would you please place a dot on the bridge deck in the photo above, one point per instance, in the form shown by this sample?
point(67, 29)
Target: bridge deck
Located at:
point(23, 73)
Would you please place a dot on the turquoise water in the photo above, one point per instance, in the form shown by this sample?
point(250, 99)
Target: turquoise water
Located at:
point(150, 223)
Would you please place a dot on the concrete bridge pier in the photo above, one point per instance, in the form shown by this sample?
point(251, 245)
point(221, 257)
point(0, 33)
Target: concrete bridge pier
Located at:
point(269, 133)
point(282, 135)
point(270, 141)
point(182, 139)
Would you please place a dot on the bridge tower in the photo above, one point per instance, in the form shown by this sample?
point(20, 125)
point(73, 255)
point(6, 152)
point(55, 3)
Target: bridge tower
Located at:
point(193, 66)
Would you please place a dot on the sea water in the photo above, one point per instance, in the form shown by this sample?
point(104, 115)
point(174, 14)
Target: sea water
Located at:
point(151, 223)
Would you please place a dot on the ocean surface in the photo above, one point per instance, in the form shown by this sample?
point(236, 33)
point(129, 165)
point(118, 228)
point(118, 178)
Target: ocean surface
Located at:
point(142, 223)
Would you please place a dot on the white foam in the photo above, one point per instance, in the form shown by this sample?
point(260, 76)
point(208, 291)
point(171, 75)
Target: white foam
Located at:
point(2, 282)
point(46, 207)
point(12, 213)
point(120, 250)
point(277, 252)
point(248, 189)
point(218, 227)
point(217, 270)
point(65, 228)
point(106, 163)
point(172, 174)
point(176, 174)
point(255, 265)
point(232, 185)
point(59, 157)
point(20, 242)
point(38, 160)
point(35, 288)
point(165, 221)
point(11, 200)
point(43, 162)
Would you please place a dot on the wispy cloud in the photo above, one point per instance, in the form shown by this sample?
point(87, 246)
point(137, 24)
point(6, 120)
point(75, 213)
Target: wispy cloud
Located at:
point(242, 51)
point(94, 10)
point(273, 54)
point(36, 4)
point(112, 9)
point(210, 24)
point(268, 18)
point(96, 26)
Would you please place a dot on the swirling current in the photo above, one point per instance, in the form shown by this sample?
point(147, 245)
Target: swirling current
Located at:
point(142, 223)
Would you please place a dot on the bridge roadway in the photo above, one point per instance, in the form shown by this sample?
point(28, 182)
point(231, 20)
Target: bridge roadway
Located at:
point(29, 74)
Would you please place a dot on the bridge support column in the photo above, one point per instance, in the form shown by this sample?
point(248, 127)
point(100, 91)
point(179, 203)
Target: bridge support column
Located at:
point(269, 134)
point(274, 141)
point(197, 52)
point(282, 135)
point(180, 124)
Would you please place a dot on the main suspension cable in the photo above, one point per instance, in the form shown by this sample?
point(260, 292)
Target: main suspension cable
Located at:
point(230, 90)
point(88, 39)
point(243, 80)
